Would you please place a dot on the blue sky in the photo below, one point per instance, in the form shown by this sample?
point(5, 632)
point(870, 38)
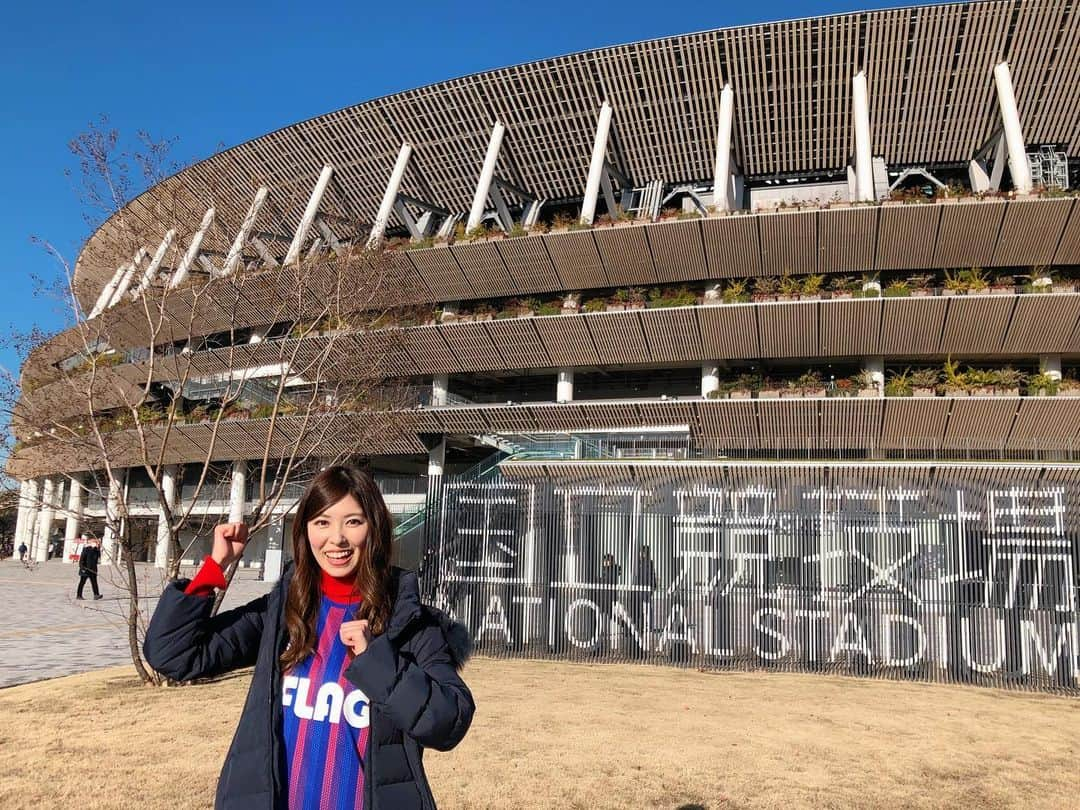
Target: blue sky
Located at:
point(213, 75)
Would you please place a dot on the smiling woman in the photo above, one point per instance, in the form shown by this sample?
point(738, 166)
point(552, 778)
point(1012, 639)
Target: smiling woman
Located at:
point(357, 676)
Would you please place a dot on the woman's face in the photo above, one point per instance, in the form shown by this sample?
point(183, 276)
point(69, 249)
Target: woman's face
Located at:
point(336, 536)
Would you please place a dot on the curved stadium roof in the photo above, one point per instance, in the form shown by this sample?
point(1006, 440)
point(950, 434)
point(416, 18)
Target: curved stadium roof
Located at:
point(929, 71)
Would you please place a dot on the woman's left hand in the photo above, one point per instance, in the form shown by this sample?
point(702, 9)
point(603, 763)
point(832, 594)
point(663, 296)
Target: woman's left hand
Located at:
point(355, 635)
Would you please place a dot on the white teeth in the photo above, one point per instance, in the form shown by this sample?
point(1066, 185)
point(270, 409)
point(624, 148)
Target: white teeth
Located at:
point(339, 555)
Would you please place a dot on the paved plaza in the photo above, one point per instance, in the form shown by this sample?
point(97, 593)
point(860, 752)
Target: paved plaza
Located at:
point(46, 633)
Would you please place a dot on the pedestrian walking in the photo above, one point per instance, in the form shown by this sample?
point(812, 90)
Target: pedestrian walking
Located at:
point(606, 597)
point(88, 567)
point(353, 678)
point(22, 552)
point(642, 600)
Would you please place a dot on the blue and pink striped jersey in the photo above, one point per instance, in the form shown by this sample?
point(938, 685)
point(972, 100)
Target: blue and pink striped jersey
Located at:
point(326, 722)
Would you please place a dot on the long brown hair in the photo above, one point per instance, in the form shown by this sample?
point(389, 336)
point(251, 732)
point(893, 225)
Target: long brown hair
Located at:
point(373, 580)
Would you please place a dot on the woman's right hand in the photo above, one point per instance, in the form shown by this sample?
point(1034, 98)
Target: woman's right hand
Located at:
point(229, 542)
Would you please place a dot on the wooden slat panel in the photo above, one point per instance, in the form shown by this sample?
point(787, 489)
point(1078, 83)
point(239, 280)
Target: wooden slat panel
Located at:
point(626, 255)
point(850, 422)
point(789, 423)
point(518, 342)
point(980, 422)
point(473, 347)
point(1031, 231)
point(441, 273)
point(672, 334)
point(975, 324)
point(789, 243)
point(1068, 250)
point(512, 419)
point(730, 419)
point(1046, 421)
point(732, 246)
point(463, 420)
point(567, 340)
point(429, 349)
point(850, 328)
point(1043, 324)
point(789, 330)
point(847, 237)
point(618, 337)
point(678, 251)
point(730, 332)
point(906, 236)
point(967, 233)
point(529, 265)
point(611, 415)
point(912, 325)
point(483, 268)
point(914, 423)
point(577, 260)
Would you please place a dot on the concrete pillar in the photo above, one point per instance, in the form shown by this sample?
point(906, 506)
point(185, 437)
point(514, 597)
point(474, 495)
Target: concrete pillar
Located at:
point(378, 229)
point(275, 544)
point(875, 367)
point(437, 458)
point(978, 177)
point(74, 516)
point(111, 534)
point(864, 163)
point(107, 292)
point(236, 252)
point(33, 508)
point(564, 387)
point(293, 256)
point(722, 168)
point(125, 280)
point(1050, 365)
point(22, 514)
point(1014, 134)
point(710, 378)
point(596, 166)
point(168, 489)
point(45, 519)
point(181, 271)
point(238, 491)
point(487, 172)
point(155, 263)
point(440, 389)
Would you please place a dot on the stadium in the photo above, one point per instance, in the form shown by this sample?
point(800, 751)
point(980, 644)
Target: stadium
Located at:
point(754, 347)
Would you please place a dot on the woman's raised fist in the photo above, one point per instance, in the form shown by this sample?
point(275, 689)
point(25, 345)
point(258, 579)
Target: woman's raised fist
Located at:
point(229, 542)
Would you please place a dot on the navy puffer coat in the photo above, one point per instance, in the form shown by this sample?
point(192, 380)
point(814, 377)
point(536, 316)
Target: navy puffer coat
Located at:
point(409, 674)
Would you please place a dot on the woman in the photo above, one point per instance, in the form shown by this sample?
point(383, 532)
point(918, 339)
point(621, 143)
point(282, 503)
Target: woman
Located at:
point(353, 676)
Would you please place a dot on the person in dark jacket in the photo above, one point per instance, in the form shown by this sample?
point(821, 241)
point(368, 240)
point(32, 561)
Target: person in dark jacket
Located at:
point(353, 678)
point(607, 591)
point(641, 601)
point(88, 565)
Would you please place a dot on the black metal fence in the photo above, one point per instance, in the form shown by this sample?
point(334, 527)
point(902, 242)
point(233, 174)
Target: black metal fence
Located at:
point(958, 576)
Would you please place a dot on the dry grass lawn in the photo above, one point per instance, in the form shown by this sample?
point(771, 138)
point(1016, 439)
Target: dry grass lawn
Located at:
point(555, 735)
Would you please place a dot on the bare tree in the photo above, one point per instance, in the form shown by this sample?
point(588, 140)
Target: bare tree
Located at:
point(286, 368)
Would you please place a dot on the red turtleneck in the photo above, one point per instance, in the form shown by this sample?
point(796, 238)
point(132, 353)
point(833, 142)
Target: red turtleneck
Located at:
point(210, 576)
point(339, 589)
